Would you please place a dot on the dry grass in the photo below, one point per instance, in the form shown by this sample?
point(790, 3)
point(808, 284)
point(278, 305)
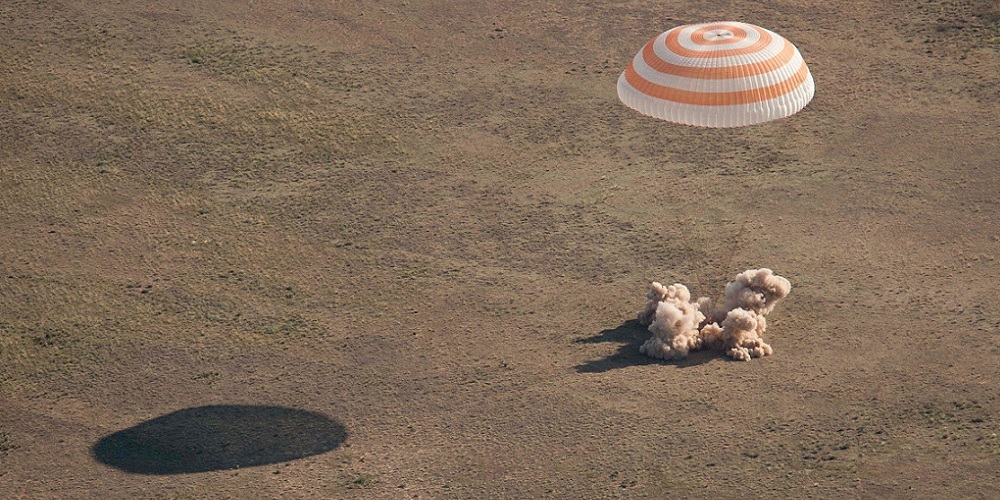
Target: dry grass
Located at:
point(431, 222)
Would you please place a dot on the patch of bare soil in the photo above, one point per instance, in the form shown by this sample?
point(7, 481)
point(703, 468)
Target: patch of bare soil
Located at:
point(395, 249)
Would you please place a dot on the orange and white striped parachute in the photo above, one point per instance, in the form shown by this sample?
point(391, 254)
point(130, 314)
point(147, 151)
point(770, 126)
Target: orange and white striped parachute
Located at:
point(723, 74)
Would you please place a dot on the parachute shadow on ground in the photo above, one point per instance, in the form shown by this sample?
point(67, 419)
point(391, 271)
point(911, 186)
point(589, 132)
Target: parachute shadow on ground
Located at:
point(222, 437)
point(631, 334)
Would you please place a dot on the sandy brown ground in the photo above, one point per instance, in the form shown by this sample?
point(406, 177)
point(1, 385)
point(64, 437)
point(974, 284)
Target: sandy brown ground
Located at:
point(432, 222)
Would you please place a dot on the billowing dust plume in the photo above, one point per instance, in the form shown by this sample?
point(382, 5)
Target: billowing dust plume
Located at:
point(679, 325)
point(674, 321)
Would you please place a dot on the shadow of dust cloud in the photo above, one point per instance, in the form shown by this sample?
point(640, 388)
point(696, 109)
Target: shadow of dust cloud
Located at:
point(631, 334)
point(211, 438)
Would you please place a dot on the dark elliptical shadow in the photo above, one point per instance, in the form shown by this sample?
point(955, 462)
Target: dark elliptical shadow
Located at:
point(211, 438)
point(632, 334)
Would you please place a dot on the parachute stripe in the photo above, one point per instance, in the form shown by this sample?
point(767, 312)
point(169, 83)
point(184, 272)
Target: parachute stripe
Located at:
point(724, 65)
point(676, 38)
point(710, 98)
point(654, 61)
point(700, 35)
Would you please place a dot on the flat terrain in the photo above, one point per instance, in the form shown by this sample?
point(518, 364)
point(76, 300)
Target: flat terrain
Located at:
point(393, 249)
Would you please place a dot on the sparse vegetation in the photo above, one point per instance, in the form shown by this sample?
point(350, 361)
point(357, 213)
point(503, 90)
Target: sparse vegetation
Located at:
point(361, 481)
point(288, 326)
point(6, 444)
point(418, 218)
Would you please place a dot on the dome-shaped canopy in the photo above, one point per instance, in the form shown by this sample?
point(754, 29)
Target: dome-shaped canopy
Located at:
point(723, 74)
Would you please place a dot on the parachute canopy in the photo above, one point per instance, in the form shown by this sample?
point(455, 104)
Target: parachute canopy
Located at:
point(722, 74)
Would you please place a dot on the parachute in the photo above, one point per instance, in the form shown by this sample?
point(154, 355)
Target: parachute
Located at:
point(722, 74)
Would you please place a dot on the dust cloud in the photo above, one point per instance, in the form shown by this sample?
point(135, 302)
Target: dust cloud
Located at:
point(680, 325)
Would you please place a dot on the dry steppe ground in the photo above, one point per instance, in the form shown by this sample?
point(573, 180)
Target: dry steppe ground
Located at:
point(395, 247)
